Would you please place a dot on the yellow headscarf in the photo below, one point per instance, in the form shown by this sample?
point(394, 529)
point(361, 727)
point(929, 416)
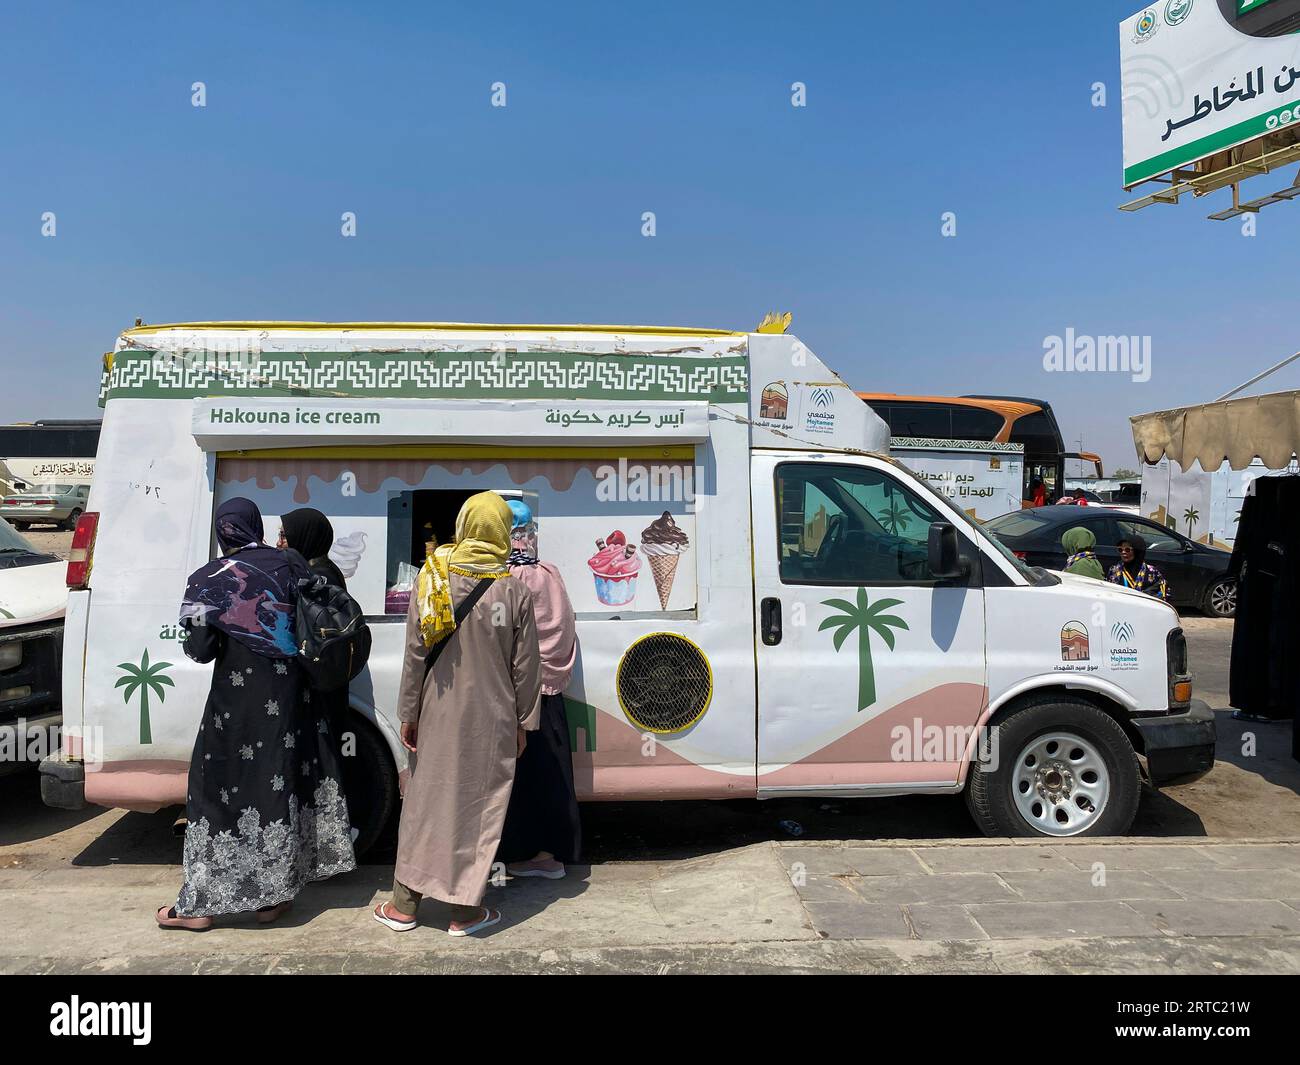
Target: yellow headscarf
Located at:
point(480, 549)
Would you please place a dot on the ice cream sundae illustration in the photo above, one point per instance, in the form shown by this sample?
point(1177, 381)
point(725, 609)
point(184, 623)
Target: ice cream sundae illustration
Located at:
point(614, 567)
point(663, 543)
point(346, 553)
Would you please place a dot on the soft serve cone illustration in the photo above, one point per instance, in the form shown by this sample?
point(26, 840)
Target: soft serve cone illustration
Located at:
point(346, 553)
point(663, 544)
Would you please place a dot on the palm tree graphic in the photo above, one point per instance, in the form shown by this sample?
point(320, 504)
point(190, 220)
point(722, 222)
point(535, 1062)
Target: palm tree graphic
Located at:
point(1191, 515)
point(894, 518)
point(865, 618)
point(145, 678)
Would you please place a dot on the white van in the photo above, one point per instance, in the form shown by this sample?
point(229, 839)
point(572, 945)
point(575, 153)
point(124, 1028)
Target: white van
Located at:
point(767, 604)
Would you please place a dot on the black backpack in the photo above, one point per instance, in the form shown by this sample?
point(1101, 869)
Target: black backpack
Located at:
point(332, 635)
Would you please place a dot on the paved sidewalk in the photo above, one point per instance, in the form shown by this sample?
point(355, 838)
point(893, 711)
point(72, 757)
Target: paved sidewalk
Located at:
point(963, 906)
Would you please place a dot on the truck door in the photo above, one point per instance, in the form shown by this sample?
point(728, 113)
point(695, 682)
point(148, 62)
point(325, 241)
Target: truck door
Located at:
point(871, 673)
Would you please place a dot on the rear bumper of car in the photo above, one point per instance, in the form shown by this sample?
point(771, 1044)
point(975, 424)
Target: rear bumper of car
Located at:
point(36, 515)
point(1178, 747)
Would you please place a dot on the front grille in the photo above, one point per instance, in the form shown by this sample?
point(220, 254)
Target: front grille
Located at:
point(40, 670)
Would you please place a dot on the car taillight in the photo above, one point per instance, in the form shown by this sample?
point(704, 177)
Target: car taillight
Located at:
point(83, 550)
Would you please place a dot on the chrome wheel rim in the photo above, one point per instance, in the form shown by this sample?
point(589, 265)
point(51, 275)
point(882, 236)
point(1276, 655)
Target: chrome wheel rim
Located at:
point(1223, 598)
point(1060, 784)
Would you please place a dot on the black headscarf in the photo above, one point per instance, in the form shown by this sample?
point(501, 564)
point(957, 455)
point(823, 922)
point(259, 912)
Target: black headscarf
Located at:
point(1139, 546)
point(250, 593)
point(310, 533)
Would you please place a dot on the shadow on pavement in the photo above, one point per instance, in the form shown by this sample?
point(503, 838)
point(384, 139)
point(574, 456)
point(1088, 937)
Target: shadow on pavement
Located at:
point(24, 818)
point(1270, 755)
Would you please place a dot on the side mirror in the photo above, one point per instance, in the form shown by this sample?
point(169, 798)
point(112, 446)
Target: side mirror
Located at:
point(945, 558)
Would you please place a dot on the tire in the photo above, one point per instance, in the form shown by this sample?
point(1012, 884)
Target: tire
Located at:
point(1026, 774)
point(22, 526)
point(1220, 599)
point(73, 518)
point(369, 780)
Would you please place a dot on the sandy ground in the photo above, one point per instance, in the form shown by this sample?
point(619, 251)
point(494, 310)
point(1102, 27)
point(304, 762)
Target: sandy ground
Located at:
point(45, 538)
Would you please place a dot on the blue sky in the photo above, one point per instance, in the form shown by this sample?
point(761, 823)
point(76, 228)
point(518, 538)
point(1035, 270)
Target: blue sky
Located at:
point(532, 212)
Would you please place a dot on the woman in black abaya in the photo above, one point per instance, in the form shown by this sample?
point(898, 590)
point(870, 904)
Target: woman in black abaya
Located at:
point(266, 811)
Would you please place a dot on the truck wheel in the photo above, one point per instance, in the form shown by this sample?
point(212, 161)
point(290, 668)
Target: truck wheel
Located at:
point(1063, 768)
point(369, 781)
point(1221, 599)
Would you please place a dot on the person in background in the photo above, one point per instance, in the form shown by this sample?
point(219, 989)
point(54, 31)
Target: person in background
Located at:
point(1037, 493)
point(310, 533)
point(266, 811)
point(543, 830)
point(1133, 570)
point(463, 718)
point(1078, 543)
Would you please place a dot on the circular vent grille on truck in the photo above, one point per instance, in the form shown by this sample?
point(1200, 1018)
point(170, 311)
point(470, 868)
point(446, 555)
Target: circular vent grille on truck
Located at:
point(664, 683)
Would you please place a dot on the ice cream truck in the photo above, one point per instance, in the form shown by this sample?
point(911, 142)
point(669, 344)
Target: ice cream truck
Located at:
point(767, 604)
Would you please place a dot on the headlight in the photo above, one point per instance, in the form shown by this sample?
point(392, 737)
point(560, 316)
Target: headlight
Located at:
point(1180, 680)
point(11, 654)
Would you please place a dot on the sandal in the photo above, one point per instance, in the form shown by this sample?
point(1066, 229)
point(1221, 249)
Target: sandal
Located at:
point(273, 913)
point(381, 915)
point(534, 868)
point(490, 917)
point(167, 918)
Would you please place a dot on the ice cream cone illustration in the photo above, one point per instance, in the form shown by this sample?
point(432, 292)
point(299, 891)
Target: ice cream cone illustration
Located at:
point(663, 544)
point(347, 551)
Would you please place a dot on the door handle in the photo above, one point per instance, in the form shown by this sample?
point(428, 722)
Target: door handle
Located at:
point(771, 621)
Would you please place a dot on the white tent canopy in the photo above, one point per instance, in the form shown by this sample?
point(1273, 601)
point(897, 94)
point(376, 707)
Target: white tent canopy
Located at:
point(1239, 430)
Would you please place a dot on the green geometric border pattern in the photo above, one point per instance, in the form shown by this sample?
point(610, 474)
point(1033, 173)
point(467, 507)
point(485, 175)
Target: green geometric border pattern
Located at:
point(146, 374)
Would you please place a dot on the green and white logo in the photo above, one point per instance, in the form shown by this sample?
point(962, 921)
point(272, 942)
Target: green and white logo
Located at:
point(1176, 11)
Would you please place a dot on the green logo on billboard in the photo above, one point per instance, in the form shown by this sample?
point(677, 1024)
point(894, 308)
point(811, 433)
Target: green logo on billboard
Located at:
point(1176, 11)
point(144, 678)
point(1243, 6)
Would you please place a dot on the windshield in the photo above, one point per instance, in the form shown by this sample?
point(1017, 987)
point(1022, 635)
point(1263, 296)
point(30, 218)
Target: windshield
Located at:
point(11, 541)
point(981, 534)
point(1020, 522)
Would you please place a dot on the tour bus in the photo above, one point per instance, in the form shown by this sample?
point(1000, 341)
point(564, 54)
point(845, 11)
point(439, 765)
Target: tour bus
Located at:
point(767, 604)
point(1006, 420)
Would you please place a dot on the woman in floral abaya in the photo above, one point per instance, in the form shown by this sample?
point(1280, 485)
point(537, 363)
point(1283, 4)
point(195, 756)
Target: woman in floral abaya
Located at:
point(266, 812)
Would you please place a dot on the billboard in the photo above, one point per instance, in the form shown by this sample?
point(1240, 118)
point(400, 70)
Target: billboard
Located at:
point(1201, 76)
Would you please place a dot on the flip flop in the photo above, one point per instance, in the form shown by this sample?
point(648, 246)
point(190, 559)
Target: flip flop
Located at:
point(273, 913)
point(490, 918)
point(549, 874)
point(381, 915)
point(167, 918)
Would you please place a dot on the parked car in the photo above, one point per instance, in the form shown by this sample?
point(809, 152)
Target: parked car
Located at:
point(1197, 574)
point(33, 596)
point(59, 505)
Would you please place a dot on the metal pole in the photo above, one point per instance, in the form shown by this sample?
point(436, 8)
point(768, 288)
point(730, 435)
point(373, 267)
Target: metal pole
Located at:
point(1255, 380)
